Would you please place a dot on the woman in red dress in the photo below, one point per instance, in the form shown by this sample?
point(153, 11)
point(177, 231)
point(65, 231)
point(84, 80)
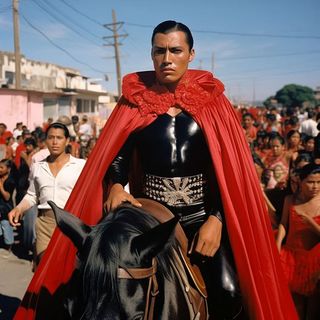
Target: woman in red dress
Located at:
point(300, 253)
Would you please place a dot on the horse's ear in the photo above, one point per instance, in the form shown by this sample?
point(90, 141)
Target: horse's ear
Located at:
point(70, 225)
point(150, 243)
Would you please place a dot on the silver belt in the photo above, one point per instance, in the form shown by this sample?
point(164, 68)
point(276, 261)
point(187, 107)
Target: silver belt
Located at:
point(176, 191)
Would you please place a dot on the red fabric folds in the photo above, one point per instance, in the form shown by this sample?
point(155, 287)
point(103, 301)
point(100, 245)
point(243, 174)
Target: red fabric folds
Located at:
point(262, 282)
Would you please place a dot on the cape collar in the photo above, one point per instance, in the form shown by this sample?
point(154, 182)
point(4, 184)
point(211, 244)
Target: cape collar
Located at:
point(195, 91)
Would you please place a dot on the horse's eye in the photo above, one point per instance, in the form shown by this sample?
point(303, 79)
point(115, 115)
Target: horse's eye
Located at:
point(138, 316)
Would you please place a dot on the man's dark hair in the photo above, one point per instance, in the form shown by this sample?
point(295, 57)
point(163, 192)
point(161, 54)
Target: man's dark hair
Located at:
point(271, 117)
point(30, 141)
point(293, 120)
point(311, 114)
point(248, 114)
point(58, 125)
point(169, 26)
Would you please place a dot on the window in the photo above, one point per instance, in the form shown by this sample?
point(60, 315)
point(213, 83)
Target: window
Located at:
point(86, 106)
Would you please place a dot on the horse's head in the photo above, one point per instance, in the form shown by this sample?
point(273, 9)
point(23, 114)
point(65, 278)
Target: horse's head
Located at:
point(117, 261)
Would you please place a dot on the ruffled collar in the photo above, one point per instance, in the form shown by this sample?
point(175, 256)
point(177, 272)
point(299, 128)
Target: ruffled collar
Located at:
point(195, 91)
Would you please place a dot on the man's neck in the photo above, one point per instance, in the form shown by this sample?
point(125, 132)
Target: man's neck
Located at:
point(63, 157)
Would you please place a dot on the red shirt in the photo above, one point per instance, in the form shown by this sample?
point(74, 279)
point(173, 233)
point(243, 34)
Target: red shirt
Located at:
point(4, 136)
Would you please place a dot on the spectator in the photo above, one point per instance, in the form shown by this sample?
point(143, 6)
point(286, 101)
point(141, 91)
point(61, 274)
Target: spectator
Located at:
point(67, 122)
point(9, 150)
point(74, 147)
point(51, 179)
point(7, 186)
point(261, 144)
point(76, 124)
point(46, 124)
point(249, 129)
point(17, 131)
point(4, 133)
point(293, 139)
point(300, 254)
point(90, 145)
point(276, 159)
point(272, 123)
point(308, 144)
point(21, 147)
point(309, 126)
point(85, 133)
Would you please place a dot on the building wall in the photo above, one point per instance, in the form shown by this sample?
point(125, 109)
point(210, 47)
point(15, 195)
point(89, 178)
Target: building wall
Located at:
point(16, 106)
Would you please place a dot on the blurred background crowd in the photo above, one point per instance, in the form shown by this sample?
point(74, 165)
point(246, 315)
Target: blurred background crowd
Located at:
point(281, 140)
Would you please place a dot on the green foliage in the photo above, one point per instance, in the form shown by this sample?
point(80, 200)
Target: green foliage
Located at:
point(293, 95)
point(269, 102)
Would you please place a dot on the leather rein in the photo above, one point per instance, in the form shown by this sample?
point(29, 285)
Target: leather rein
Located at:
point(153, 289)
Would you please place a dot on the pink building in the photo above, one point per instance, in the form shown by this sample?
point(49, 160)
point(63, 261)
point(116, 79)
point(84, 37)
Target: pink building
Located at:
point(48, 90)
point(21, 106)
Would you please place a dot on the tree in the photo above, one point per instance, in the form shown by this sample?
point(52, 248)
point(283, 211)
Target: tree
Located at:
point(293, 95)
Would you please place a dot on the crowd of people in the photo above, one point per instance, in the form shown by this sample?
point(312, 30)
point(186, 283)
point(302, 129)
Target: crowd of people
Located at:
point(20, 150)
point(285, 148)
point(279, 140)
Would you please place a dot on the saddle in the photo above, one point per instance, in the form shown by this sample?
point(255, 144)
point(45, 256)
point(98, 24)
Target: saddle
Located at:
point(189, 275)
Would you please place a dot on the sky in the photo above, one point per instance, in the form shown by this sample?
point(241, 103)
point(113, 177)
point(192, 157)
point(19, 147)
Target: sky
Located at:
point(254, 47)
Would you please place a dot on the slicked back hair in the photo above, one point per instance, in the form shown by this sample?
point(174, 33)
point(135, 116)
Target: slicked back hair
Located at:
point(171, 25)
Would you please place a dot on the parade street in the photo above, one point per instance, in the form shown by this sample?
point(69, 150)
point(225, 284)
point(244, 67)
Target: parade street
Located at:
point(15, 276)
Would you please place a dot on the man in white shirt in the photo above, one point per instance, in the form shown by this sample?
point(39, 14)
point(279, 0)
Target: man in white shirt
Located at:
point(309, 126)
point(50, 179)
point(17, 131)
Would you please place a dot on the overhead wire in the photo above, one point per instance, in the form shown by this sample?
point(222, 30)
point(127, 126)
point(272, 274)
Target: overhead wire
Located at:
point(58, 18)
point(81, 13)
point(242, 34)
point(59, 47)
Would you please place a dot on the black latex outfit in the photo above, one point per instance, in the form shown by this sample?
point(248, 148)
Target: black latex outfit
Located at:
point(175, 147)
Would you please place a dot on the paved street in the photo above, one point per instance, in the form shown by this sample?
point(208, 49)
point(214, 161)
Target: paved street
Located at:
point(15, 276)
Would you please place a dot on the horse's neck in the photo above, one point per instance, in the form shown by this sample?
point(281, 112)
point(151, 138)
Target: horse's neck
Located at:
point(173, 299)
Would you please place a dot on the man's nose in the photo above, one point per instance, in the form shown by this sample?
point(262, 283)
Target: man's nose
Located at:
point(167, 57)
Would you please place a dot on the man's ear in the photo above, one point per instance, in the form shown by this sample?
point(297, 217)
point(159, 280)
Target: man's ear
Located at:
point(192, 55)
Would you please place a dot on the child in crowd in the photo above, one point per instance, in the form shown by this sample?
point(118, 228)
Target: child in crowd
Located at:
point(300, 253)
point(7, 187)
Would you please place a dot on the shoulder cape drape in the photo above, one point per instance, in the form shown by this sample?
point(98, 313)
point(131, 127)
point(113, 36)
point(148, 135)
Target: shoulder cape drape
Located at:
point(262, 283)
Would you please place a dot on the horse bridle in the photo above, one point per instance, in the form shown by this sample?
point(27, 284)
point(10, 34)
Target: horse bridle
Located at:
point(153, 290)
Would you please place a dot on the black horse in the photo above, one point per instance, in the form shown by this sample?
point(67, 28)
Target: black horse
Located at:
point(130, 266)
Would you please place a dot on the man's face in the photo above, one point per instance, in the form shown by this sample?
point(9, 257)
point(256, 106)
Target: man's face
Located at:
point(56, 141)
point(29, 148)
point(171, 56)
point(247, 122)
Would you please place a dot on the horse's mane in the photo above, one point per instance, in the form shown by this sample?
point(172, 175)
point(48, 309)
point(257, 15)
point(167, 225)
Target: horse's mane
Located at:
point(106, 249)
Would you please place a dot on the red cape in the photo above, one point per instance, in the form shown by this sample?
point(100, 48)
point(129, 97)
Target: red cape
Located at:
point(263, 285)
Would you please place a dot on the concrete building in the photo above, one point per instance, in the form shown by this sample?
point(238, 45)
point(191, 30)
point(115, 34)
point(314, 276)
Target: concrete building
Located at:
point(48, 90)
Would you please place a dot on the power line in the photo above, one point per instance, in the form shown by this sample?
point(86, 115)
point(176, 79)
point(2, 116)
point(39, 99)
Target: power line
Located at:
point(57, 18)
point(241, 34)
point(270, 55)
point(82, 14)
point(5, 8)
point(265, 76)
point(59, 47)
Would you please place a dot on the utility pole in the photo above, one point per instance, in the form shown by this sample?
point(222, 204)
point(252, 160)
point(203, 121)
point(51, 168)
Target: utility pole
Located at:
point(114, 27)
point(15, 8)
